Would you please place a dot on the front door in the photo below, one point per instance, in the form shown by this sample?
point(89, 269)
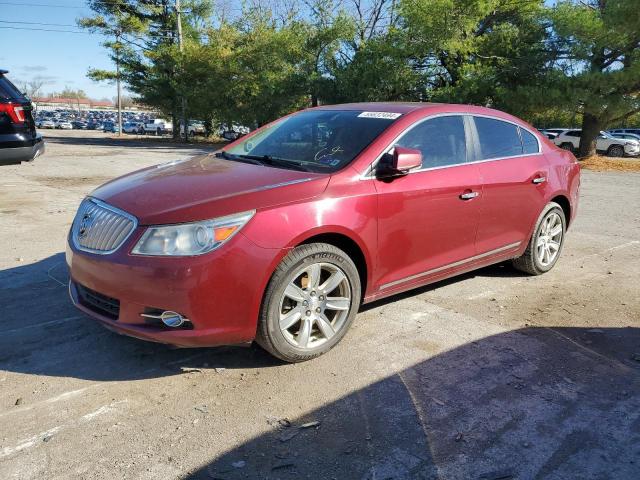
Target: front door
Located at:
point(427, 219)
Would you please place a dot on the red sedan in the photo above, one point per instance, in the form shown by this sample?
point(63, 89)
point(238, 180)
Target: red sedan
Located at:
point(280, 236)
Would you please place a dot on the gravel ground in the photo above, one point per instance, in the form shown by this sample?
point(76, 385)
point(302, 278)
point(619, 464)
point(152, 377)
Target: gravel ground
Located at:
point(492, 375)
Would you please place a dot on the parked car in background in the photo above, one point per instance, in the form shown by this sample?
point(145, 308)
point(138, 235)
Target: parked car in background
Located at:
point(80, 125)
point(627, 136)
point(196, 127)
point(64, 125)
point(552, 133)
point(635, 131)
point(19, 140)
point(605, 144)
point(111, 127)
point(158, 126)
point(133, 127)
point(233, 132)
point(94, 125)
point(46, 124)
point(280, 236)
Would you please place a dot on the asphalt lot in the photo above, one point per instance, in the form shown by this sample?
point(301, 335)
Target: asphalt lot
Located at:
point(493, 375)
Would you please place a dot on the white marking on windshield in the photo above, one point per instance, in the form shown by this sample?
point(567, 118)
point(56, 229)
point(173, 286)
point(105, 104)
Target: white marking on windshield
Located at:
point(387, 115)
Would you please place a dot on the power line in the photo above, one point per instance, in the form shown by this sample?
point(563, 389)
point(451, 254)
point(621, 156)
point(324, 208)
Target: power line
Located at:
point(57, 5)
point(169, 30)
point(41, 5)
point(45, 30)
point(38, 23)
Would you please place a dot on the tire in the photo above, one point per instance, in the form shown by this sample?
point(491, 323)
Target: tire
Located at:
point(567, 146)
point(158, 132)
point(316, 323)
point(532, 261)
point(615, 151)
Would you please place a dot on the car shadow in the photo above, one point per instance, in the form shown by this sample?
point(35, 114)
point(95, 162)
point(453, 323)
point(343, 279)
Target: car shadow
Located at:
point(504, 270)
point(534, 403)
point(43, 333)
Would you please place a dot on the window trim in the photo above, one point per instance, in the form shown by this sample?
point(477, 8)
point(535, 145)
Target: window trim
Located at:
point(476, 137)
point(471, 138)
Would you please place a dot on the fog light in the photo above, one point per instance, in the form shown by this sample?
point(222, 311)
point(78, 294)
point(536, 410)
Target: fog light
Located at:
point(168, 317)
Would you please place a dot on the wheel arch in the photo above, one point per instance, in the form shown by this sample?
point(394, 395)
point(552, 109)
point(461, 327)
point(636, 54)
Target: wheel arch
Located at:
point(347, 244)
point(565, 204)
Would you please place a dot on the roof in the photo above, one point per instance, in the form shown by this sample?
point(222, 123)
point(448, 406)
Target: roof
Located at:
point(397, 107)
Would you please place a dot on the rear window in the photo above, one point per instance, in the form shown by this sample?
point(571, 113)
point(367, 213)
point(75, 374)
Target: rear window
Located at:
point(529, 142)
point(8, 90)
point(497, 138)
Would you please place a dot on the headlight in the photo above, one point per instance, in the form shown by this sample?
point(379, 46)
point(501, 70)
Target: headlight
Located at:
point(190, 238)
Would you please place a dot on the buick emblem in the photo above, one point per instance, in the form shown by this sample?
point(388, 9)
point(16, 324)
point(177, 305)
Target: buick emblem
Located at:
point(85, 224)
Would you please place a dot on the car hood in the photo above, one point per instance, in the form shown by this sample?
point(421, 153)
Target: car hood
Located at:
point(206, 187)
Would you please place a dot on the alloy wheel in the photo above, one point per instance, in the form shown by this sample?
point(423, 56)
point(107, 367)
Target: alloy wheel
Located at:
point(315, 305)
point(549, 239)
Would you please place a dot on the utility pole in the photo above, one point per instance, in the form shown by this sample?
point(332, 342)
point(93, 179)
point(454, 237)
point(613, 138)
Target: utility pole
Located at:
point(119, 101)
point(183, 100)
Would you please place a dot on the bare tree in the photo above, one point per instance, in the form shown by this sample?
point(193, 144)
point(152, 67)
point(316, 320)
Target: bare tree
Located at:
point(33, 88)
point(372, 18)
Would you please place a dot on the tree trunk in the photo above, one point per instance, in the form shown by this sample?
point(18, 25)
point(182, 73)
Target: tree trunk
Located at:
point(175, 121)
point(591, 127)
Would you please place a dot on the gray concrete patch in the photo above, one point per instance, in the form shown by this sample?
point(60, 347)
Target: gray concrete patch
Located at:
point(492, 375)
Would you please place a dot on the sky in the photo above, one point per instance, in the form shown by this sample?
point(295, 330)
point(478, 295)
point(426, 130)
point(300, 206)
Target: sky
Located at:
point(62, 58)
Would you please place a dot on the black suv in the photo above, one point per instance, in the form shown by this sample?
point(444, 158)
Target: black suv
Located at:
point(18, 138)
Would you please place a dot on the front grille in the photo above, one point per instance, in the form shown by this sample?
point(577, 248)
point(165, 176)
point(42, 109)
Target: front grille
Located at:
point(99, 303)
point(101, 228)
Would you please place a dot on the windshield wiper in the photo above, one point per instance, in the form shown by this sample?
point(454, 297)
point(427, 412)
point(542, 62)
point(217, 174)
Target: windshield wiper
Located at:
point(241, 158)
point(282, 162)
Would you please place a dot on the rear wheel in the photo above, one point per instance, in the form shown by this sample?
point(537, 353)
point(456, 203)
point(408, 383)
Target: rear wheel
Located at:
point(567, 146)
point(616, 151)
point(310, 303)
point(545, 244)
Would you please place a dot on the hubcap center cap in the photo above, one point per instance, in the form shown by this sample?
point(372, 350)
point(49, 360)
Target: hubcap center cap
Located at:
point(314, 303)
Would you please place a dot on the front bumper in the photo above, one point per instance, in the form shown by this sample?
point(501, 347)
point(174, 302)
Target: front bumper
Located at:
point(220, 292)
point(24, 152)
point(632, 150)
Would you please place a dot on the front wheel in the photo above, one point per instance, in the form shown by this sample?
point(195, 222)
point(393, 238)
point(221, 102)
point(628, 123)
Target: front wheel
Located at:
point(309, 303)
point(546, 243)
point(616, 151)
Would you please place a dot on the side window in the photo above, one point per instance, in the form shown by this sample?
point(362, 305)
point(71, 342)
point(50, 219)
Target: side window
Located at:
point(497, 138)
point(529, 142)
point(573, 133)
point(441, 141)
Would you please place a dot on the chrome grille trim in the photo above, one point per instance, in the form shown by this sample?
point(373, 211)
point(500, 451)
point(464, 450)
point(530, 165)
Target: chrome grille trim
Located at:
point(108, 229)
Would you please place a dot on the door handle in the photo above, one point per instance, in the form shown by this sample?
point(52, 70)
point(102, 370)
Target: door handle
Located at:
point(539, 180)
point(469, 195)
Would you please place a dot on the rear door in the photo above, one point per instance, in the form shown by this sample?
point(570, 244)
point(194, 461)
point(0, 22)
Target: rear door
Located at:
point(514, 172)
point(427, 219)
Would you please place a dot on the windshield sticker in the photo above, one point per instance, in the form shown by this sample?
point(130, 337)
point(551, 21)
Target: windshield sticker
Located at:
point(325, 155)
point(386, 115)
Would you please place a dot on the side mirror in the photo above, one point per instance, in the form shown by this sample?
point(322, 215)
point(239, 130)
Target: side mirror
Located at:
point(398, 163)
point(406, 159)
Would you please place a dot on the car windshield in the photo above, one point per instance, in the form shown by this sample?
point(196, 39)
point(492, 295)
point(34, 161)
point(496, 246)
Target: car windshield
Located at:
point(314, 140)
point(606, 135)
